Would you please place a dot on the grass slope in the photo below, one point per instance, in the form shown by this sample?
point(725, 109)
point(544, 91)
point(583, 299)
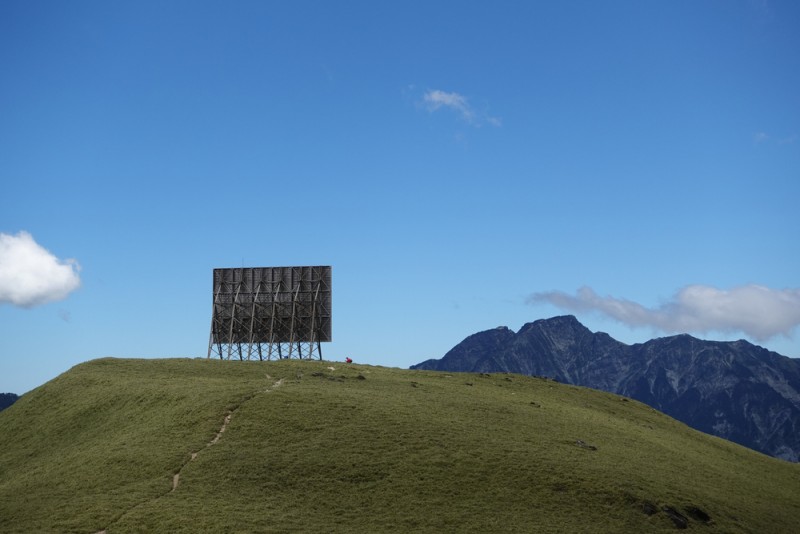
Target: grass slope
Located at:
point(365, 449)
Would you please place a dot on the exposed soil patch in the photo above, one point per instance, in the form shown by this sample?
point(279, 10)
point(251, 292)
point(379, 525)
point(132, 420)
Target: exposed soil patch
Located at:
point(678, 519)
point(698, 515)
point(225, 423)
point(583, 445)
point(649, 508)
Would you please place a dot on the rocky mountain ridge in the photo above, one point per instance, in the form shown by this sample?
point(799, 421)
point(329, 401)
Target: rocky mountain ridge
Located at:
point(735, 390)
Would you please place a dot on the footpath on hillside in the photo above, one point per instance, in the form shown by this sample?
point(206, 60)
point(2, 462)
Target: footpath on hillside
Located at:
point(177, 476)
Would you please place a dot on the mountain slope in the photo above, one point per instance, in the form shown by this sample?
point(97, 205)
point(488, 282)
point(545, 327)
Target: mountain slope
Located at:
point(734, 390)
point(211, 446)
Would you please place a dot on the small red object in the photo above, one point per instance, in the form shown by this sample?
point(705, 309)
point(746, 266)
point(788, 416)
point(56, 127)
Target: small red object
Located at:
point(348, 360)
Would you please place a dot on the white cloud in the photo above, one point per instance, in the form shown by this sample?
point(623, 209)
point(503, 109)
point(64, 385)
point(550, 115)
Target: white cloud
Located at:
point(436, 99)
point(30, 275)
point(757, 311)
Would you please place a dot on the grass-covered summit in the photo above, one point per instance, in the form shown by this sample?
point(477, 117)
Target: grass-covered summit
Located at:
point(182, 445)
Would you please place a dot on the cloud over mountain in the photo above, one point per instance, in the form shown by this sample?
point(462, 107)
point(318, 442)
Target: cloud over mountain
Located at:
point(758, 311)
point(30, 275)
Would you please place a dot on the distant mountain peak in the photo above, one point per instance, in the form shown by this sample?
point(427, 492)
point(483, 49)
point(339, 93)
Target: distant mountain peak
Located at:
point(558, 321)
point(736, 390)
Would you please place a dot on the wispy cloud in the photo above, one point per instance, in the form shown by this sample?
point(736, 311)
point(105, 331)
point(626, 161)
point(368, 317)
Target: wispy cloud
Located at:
point(494, 121)
point(436, 99)
point(30, 275)
point(757, 311)
point(764, 137)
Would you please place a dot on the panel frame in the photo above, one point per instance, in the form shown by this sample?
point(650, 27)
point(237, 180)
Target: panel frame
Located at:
point(270, 308)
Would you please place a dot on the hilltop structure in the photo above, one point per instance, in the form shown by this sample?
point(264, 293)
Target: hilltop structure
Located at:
point(268, 312)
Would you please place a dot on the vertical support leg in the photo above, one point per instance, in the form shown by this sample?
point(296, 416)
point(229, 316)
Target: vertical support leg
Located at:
point(213, 320)
point(294, 314)
point(233, 319)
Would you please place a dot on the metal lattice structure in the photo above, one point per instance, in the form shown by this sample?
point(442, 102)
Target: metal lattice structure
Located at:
point(270, 311)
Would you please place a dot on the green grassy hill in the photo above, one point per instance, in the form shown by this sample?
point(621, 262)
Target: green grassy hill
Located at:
point(135, 446)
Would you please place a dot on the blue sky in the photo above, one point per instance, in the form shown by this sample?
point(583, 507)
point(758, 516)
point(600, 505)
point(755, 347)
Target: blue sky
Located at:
point(461, 165)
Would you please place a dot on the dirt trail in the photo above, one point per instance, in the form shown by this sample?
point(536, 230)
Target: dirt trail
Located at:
point(176, 478)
